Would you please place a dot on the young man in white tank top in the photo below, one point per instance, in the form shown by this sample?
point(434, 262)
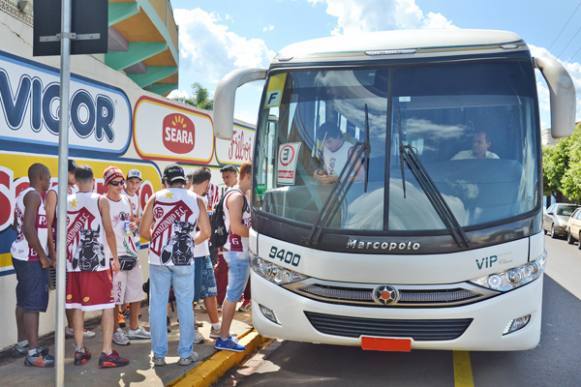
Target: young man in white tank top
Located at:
point(51, 207)
point(204, 280)
point(89, 282)
point(30, 260)
point(127, 282)
point(237, 221)
point(169, 222)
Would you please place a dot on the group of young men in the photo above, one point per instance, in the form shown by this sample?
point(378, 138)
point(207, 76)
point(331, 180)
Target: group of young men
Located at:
point(103, 268)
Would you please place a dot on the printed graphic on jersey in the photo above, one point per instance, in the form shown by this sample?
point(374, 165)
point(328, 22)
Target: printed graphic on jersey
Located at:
point(84, 250)
point(180, 248)
point(167, 215)
point(90, 254)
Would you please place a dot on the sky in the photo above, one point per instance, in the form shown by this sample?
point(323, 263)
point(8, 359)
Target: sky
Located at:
point(218, 36)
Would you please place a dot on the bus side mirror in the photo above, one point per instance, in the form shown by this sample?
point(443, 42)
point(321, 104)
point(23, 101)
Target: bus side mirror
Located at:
point(562, 96)
point(225, 95)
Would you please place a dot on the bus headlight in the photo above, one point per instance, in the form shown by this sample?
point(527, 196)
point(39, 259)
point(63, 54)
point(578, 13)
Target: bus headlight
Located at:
point(276, 274)
point(513, 278)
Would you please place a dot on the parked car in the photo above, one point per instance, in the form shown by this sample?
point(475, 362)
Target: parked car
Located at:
point(574, 228)
point(556, 218)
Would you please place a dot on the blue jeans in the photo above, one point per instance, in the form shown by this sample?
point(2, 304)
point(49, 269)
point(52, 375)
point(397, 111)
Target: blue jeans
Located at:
point(161, 278)
point(238, 274)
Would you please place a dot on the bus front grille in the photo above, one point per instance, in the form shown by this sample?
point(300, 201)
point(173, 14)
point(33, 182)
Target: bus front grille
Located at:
point(408, 295)
point(419, 330)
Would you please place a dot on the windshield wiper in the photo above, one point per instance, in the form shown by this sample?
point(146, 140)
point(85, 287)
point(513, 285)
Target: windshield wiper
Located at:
point(338, 193)
point(367, 149)
point(401, 152)
point(433, 195)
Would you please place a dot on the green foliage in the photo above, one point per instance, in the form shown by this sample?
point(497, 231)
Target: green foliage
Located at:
point(200, 98)
point(562, 167)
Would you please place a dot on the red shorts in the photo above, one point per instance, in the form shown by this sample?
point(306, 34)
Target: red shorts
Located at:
point(90, 290)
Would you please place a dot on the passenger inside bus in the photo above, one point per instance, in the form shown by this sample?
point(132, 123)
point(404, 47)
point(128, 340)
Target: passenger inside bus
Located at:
point(480, 145)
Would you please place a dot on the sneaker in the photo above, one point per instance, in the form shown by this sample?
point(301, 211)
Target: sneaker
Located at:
point(245, 307)
point(82, 357)
point(39, 360)
point(138, 334)
point(229, 344)
point(120, 338)
point(214, 333)
point(87, 334)
point(198, 338)
point(113, 360)
point(186, 361)
point(20, 350)
point(159, 361)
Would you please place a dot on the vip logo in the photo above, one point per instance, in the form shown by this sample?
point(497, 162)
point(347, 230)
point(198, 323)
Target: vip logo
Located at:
point(486, 262)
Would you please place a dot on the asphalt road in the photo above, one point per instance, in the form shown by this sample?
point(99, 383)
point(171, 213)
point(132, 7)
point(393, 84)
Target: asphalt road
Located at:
point(555, 362)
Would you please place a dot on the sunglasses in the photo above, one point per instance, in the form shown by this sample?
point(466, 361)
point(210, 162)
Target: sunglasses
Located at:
point(117, 183)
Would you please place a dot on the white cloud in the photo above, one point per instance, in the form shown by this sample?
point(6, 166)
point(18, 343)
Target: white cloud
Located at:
point(268, 28)
point(209, 50)
point(356, 16)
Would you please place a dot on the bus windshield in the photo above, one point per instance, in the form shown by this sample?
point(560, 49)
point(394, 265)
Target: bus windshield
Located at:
point(470, 126)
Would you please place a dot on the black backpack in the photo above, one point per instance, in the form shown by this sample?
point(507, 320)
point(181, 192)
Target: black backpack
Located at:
point(219, 235)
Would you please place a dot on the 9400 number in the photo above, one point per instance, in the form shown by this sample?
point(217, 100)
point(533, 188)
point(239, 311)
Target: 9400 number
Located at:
point(284, 256)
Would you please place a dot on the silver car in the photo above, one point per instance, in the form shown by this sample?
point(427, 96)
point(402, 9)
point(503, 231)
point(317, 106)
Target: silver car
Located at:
point(556, 217)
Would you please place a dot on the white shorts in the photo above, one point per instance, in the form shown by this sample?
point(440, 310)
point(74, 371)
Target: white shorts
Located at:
point(128, 286)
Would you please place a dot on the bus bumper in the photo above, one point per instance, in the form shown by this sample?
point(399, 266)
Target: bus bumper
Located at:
point(490, 318)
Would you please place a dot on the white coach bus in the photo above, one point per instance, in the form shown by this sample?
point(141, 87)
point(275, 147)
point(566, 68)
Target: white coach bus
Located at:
point(397, 189)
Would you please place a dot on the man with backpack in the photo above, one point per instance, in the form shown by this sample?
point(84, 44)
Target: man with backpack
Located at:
point(236, 223)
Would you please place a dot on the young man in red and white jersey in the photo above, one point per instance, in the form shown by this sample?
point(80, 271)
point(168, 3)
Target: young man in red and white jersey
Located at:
point(170, 219)
point(89, 282)
point(127, 282)
point(51, 207)
point(237, 222)
point(30, 259)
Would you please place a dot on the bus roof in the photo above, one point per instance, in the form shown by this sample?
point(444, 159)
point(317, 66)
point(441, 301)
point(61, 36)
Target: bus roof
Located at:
point(401, 43)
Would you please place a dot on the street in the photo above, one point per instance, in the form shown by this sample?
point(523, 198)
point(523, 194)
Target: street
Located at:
point(555, 362)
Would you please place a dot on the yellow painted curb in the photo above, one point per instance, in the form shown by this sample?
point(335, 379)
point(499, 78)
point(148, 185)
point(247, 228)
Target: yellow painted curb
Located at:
point(210, 370)
point(462, 369)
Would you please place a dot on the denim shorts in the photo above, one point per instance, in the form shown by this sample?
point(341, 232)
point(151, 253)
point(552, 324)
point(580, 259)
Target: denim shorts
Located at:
point(204, 280)
point(32, 286)
point(238, 274)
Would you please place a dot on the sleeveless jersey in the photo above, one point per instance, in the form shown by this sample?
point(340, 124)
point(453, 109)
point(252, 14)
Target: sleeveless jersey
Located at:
point(134, 201)
point(236, 242)
point(120, 212)
point(175, 216)
point(85, 233)
point(202, 249)
point(335, 161)
point(20, 249)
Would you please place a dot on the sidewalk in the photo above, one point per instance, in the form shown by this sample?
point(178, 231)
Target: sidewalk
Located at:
point(140, 372)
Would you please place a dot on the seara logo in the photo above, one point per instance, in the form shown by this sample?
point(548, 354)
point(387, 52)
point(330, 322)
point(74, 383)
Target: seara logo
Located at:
point(179, 133)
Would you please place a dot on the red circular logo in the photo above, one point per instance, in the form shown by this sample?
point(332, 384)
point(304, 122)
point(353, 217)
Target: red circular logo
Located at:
point(178, 133)
point(286, 155)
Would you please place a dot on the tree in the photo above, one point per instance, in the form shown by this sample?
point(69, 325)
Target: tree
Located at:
point(200, 98)
point(571, 179)
point(562, 168)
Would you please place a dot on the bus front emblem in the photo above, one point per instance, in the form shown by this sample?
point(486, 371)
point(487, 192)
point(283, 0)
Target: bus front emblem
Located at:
point(385, 295)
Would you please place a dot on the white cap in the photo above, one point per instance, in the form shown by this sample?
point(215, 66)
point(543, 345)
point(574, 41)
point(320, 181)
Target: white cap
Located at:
point(134, 173)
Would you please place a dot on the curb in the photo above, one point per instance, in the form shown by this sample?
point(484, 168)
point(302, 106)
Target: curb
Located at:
point(217, 365)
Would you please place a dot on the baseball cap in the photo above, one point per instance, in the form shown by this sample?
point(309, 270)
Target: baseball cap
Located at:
point(134, 173)
point(72, 165)
point(229, 168)
point(111, 173)
point(174, 173)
